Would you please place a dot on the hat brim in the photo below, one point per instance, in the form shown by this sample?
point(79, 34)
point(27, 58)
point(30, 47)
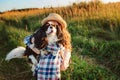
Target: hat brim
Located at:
point(59, 20)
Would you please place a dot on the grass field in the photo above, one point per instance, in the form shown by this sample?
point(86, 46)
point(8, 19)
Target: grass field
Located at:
point(95, 32)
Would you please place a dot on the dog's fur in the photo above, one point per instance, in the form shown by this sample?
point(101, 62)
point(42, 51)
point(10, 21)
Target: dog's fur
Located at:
point(41, 38)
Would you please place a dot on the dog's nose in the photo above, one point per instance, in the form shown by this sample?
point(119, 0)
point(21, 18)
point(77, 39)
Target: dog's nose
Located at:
point(51, 27)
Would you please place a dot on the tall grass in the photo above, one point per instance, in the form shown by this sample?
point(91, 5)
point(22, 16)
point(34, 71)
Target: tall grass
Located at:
point(105, 14)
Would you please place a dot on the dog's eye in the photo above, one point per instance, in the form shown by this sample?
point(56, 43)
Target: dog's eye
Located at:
point(54, 25)
point(51, 27)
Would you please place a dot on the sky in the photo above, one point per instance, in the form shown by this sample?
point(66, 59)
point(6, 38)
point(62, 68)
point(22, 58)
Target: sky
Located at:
point(6, 5)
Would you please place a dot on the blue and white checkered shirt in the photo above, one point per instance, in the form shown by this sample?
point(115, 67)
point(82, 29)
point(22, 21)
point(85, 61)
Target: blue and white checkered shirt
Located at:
point(48, 67)
point(27, 40)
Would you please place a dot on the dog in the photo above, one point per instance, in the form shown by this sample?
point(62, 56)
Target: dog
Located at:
point(48, 34)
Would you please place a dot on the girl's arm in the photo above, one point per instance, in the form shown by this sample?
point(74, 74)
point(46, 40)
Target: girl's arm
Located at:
point(66, 55)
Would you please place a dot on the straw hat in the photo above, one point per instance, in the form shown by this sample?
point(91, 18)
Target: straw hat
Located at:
point(55, 17)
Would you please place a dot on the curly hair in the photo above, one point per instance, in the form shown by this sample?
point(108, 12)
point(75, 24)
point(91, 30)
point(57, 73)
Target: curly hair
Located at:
point(65, 38)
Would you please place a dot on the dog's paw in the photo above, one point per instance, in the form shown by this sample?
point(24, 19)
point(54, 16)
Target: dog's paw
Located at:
point(33, 59)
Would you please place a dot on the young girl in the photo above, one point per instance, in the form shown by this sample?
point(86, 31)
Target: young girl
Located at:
point(50, 65)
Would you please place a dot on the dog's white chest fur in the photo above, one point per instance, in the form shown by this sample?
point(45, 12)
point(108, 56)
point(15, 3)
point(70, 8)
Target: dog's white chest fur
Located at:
point(52, 39)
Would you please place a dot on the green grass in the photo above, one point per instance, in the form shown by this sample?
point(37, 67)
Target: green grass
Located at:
point(95, 41)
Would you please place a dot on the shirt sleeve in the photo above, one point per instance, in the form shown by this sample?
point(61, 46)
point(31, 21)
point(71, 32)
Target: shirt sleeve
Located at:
point(65, 60)
point(27, 40)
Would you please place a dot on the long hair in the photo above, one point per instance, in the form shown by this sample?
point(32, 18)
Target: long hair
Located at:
point(64, 36)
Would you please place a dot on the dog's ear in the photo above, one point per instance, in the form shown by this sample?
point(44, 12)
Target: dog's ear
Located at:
point(40, 37)
point(45, 27)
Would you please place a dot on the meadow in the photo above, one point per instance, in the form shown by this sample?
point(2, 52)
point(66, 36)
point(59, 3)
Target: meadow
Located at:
point(95, 33)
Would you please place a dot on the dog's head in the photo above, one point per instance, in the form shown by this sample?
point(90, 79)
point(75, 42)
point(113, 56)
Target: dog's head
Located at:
point(53, 31)
point(51, 28)
point(48, 33)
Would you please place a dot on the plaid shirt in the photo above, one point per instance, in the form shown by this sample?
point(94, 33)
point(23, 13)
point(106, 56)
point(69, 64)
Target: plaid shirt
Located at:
point(27, 40)
point(48, 67)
